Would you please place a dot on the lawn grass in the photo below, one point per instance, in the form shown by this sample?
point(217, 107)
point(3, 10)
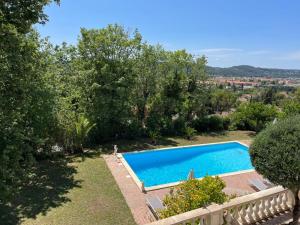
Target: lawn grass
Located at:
point(146, 143)
point(81, 190)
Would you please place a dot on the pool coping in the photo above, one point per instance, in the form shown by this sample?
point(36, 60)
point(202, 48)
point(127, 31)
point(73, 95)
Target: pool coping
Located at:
point(140, 184)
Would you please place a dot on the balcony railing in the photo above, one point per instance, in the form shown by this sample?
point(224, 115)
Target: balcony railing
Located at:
point(247, 209)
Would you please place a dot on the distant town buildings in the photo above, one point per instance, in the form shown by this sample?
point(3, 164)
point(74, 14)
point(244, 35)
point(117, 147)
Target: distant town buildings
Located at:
point(251, 82)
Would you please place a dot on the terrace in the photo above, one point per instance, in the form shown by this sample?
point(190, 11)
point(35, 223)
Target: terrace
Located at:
point(249, 208)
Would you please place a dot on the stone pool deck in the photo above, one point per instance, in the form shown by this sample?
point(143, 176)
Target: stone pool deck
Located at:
point(235, 184)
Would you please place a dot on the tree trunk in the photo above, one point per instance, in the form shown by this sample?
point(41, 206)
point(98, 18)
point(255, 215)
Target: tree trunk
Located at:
point(296, 210)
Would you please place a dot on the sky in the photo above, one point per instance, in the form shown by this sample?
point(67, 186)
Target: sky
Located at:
point(262, 33)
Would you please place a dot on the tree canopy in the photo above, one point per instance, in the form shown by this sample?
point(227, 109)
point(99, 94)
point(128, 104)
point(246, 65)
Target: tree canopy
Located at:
point(27, 115)
point(253, 116)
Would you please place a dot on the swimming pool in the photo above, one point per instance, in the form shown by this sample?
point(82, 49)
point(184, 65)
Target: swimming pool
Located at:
point(164, 166)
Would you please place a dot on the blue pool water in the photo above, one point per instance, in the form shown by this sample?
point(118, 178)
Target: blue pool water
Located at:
point(172, 165)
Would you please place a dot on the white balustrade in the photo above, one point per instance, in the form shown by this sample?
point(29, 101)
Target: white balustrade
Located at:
point(247, 209)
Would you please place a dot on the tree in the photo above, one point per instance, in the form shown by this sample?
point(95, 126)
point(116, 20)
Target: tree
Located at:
point(198, 90)
point(253, 116)
point(148, 80)
point(268, 95)
point(26, 106)
point(275, 153)
point(108, 57)
point(222, 100)
point(64, 74)
point(290, 107)
point(183, 95)
point(193, 194)
point(297, 94)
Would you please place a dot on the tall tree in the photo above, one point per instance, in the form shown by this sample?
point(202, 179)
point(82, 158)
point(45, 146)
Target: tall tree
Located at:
point(149, 77)
point(222, 100)
point(64, 74)
point(198, 89)
point(184, 92)
point(108, 56)
point(25, 102)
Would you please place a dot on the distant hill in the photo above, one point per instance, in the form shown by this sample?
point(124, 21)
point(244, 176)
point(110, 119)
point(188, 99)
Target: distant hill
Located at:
point(250, 71)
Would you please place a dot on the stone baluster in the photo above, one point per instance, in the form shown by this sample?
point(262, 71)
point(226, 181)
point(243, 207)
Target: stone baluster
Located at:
point(202, 221)
point(268, 206)
point(285, 200)
point(243, 214)
point(273, 206)
point(216, 218)
point(235, 214)
point(262, 209)
point(228, 216)
point(279, 203)
point(244, 210)
point(250, 213)
point(256, 210)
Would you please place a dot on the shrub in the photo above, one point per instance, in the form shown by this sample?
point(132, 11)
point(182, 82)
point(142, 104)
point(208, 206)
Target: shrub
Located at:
point(190, 132)
point(290, 107)
point(211, 124)
point(78, 133)
point(154, 135)
point(253, 116)
point(193, 194)
point(226, 123)
point(275, 153)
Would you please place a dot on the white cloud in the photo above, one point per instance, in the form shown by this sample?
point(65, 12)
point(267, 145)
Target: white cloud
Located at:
point(289, 56)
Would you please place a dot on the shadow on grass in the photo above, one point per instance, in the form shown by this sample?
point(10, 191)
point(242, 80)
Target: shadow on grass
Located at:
point(46, 189)
point(135, 145)
point(249, 134)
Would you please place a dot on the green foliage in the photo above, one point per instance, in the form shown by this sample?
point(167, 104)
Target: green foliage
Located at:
point(183, 94)
point(275, 153)
point(20, 15)
point(27, 117)
point(190, 132)
point(154, 136)
point(82, 127)
point(65, 77)
point(290, 107)
point(270, 95)
point(193, 194)
point(108, 77)
point(222, 100)
point(253, 116)
point(130, 87)
point(213, 123)
point(297, 94)
point(149, 76)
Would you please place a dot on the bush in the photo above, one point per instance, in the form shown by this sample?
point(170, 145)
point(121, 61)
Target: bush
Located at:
point(226, 123)
point(78, 133)
point(190, 132)
point(193, 194)
point(290, 107)
point(275, 153)
point(253, 116)
point(154, 135)
point(211, 124)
